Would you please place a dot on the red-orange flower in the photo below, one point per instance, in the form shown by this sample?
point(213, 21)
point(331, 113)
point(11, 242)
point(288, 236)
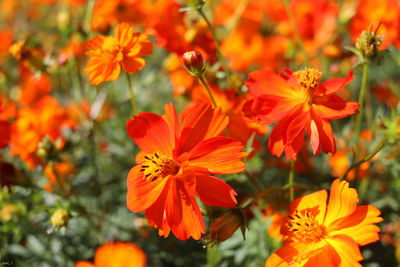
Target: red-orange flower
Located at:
point(46, 118)
point(297, 101)
point(320, 234)
point(116, 254)
point(174, 166)
point(109, 54)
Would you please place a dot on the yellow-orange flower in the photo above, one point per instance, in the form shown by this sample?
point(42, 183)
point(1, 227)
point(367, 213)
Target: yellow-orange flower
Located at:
point(109, 54)
point(320, 234)
point(116, 254)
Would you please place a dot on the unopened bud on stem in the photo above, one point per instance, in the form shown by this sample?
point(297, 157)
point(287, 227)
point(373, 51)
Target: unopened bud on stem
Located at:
point(193, 61)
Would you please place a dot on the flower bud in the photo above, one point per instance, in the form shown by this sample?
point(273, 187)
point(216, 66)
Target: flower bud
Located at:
point(193, 61)
point(226, 225)
point(194, 4)
point(59, 218)
point(368, 43)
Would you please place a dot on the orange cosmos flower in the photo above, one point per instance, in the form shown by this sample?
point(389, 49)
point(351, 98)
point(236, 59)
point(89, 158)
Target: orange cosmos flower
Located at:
point(109, 54)
point(174, 166)
point(116, 254)
point(46, 118)
point(297, 101)
point(318, 234)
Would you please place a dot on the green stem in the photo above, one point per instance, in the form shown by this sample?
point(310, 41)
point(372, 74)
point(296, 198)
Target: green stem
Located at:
point(203, 81)
point(361, 109)
point(133, 99)
point(296, 31)
point(369, 157)
point(291, 179)
point(214, 35)
point(88, 15)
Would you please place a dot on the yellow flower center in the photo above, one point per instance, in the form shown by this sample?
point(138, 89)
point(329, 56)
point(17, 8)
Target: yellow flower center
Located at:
point(304, 227)
point(309, 78)
point(112, 46)
point(156, 166)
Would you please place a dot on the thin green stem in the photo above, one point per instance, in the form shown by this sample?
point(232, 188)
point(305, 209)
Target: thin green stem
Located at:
point(361, 109)
point(214, 35)
point(203, 81)
point(291, 179)
point(133, 99)
point(296, 31)
point(369, 157)
point(88, 15)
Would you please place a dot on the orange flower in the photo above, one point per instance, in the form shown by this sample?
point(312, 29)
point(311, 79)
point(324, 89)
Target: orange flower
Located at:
point(174, 166)
point(46, 118)
point(318, 234)
point(116, 254)
point(107, 13)
point(297, 101)
point(109, 54)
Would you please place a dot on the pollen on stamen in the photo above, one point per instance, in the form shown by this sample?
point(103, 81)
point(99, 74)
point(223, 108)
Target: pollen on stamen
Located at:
point(309, 78)
point(304, 227)
point(158, 166)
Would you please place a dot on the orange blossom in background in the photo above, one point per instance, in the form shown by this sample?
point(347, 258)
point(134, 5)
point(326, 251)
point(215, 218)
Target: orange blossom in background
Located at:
point(116, 254)
point(174, 166)
point(109, 54)
point(318, 234)
point(297, 101)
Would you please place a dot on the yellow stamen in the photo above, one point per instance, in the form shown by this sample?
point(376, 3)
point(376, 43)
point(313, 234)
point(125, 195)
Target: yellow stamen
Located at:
point(158, 166)
point(304, 227)
point(112, 46)
point(309, 78)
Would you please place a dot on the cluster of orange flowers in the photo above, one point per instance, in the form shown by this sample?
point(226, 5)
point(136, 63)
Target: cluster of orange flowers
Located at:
point(181, 154)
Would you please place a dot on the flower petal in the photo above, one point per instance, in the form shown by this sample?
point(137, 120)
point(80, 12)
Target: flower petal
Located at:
point(215, 192)
point(84, 264)
point(171, 118)
point(264, 82)
point(326, 140)
point(333, 107)
point(334, 85)
point(183, 213)
point(155, 214)
point(347, 249)
point(342, 201)
point(150, 132)
point(200, 122)
point(141, 193)
point(294, 253)
point(358, 225)
point(314, 202)
point(133, 64)
point(219, 155)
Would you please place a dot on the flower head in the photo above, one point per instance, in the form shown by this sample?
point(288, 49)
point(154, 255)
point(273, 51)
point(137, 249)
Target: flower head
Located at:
point(116, 254)
point(109, 54)
point(317, 232)
point(298, 101)
point(175, 164)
